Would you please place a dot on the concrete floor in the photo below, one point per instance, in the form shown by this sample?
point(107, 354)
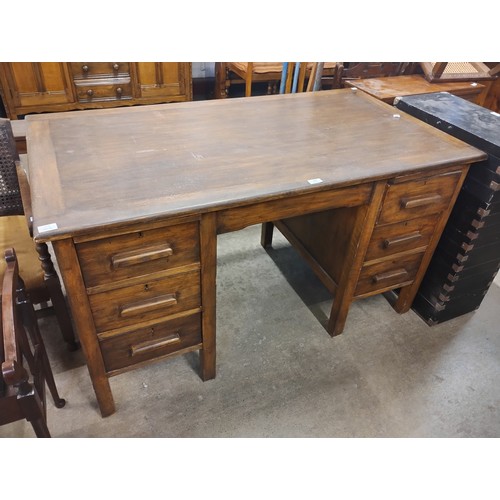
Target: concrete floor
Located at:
point(279, 374)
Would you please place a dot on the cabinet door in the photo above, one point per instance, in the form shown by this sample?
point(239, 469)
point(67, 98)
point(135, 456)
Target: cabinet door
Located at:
point(164, 79)
point(38, 84)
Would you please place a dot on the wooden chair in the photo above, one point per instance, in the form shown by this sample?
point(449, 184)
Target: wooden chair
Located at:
point(248, 73)
point(22, 392)
point(35, 263)
point(457, 71)
point(350, 71)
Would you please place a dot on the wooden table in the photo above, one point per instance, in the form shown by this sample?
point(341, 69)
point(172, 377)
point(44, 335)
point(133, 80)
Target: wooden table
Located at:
point(388, 88)
point(133, 199)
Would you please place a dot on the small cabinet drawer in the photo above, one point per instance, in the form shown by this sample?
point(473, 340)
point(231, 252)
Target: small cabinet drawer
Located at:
point(146, 301)
point(403, 236)
point(93, 69)
point(97, 91)
point(145, 344)
point(388, 274)
point(418, 198)
point(139, 253)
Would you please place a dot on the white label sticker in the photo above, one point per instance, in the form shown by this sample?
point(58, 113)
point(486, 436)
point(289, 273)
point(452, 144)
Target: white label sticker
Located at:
point(315, 181)
point(47, 227)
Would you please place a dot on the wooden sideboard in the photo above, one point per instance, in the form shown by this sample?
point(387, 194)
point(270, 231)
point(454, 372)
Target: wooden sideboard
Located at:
point(136, 242)
point(33, 87)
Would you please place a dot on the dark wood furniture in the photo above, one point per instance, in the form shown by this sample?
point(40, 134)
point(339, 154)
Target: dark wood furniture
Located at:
point(37, 268)
point(22, 392)
point(467, 257)
point(33, 87)
point(136, 241)
point(388, 88)
point(362, 70)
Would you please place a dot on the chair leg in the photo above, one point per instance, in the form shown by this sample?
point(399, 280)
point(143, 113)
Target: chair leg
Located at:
point(31, 325)
point(248, 85)
point(55, 291)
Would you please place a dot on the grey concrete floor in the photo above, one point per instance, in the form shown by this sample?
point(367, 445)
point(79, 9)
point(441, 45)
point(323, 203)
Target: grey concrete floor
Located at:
point(279, 374)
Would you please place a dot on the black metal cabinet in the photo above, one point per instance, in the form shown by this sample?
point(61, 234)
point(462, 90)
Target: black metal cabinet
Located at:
point(467, 257)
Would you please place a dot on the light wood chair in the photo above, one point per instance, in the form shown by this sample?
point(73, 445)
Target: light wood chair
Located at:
point(35, 263)
point(22, 391)
point(228, 73)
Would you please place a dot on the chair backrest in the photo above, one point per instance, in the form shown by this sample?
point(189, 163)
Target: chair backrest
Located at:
point(352, 70)
point(22, 391)
point(293, 77)
point(10, 195)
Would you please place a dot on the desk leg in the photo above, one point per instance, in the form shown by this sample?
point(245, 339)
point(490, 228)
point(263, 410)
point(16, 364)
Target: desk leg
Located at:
point(358, 244)
point(208, 245)
point(82, 316)
point(266, 238)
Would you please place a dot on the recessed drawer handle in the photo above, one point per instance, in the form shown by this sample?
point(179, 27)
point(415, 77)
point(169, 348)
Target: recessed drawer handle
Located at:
point(390, 242)
point(125, 259)
point(390, 275)
point(151, 345)
point(420, 201)
point(143, 306)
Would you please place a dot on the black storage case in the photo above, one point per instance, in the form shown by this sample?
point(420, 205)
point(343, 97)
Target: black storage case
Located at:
point(467, 257)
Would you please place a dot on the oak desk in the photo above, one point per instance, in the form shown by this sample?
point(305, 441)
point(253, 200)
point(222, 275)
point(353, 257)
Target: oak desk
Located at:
point(133, 199)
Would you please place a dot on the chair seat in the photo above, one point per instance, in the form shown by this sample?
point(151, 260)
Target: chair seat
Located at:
point(270, 67)
point(258, 67)
point(14, 233)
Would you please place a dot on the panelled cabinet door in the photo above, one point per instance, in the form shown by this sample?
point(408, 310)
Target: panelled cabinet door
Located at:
point(35, 84)
point(157, 79)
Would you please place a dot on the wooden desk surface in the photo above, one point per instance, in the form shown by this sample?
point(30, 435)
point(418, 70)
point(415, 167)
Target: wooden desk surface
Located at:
point(388, 88)
point(91, 169)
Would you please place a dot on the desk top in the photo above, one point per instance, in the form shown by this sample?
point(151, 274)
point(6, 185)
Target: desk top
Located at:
point(388, 88)
point(102, 168)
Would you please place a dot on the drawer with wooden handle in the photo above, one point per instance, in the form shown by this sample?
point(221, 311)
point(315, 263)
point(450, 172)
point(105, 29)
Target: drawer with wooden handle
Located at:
point(388, 274)
point(152, 342)
point(99, 69)
point(145, 301)
point(96, 91)
point(405, 236)
point(139, 253)
point(418, 198)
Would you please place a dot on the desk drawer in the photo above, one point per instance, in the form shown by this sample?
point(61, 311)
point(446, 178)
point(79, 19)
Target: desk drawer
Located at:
point(138, 254)
point(400, 237)
point(147, 301)
point(388, 274)
point(419, 198)
point(145, 344)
